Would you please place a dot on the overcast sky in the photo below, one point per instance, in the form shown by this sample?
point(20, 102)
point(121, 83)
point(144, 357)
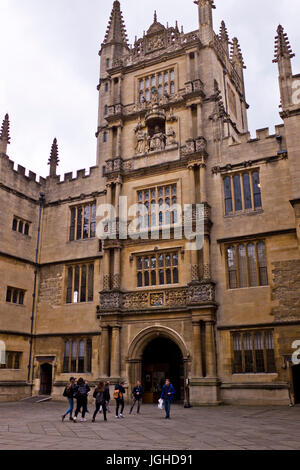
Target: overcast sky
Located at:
point(50, 66)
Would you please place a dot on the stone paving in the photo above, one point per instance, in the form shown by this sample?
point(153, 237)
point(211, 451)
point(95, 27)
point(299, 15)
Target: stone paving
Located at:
point(39, 427)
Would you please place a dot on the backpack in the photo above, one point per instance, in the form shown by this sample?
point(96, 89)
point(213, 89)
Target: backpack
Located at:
point(81, 390)
point(100, 397)
point(65, 394)
point(118, 394)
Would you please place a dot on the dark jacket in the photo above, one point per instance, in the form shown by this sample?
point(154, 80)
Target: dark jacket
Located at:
point(82, 390)
point(137, 392)
point(101, 397)
point(108, 392)
point(165, 392)
point(122, 391)
point(69, 391)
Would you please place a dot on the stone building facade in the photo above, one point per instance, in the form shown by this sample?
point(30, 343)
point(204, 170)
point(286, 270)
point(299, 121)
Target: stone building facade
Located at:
point(221, 321)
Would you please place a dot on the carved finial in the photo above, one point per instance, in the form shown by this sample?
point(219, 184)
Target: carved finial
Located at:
point(53, 160)
point(4, 133)
point(155, 16)
point(236, 54)
point(282, 46)
point(116, 30)
point(203, 3)
point(223, 35)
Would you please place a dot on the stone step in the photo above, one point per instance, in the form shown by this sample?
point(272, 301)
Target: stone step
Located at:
point(37, 399)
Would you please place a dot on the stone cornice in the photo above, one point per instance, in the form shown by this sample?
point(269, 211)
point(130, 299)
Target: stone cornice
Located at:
point(257, 235)
point(258, 325)
point(248, 163)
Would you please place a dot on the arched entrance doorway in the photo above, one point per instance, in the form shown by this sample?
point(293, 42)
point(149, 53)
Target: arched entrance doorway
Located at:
point(296, 383)
point(156, 352)
point(46, 379)
point(162, 359)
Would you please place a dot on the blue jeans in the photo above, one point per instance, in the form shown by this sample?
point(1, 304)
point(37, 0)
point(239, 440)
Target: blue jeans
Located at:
point(71, 404)
point(167, 404)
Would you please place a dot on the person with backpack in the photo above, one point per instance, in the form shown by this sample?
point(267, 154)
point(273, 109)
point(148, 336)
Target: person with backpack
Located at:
point(137, 394)
point(101, 396)
point(167, 395)
point(119, 397)
point(107, 385)
point(81, 395)
point(69, 394)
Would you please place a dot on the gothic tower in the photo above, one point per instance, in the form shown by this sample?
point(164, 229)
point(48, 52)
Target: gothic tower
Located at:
point(114, 46)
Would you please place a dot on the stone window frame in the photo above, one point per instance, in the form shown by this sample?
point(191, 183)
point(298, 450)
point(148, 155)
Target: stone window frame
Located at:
point(20, 225)
point(16, 360)
point(158, 84)
point(234, 196)
point(71, 283)
point(259, 358)
point(75, 228)
point(160, 216)
point(144, 274)
point(245, 274)
point(17, 294)
point(68, 361)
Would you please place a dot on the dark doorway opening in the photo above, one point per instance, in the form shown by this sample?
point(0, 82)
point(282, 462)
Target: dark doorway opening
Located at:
point(46, 379)
point(296, 383)
point(162, 359)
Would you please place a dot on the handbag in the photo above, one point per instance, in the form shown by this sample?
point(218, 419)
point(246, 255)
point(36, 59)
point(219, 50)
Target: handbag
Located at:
point(161, 404)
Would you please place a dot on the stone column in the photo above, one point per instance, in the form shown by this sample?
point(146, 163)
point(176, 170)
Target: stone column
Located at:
point(197, 69)
point(197, 350)
point(199, 120)
point(192, 184)
point(194, 253)
point(104, 356)
point(117, 198)
point(119, 141)
point(108, 193)
point(191, 123)
point(206, 258)
point(106, 270)
point(211, 369)
point(203, 195)
point(110, 144)
point(188, 68)
point(117, 268)
point(115, 352)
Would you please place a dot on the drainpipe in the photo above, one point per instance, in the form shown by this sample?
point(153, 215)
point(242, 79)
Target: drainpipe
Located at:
point(30, 368)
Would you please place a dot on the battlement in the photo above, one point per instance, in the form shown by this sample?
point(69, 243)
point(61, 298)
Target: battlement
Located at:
point(80, 174)
point(261, 135)
point(20, 171)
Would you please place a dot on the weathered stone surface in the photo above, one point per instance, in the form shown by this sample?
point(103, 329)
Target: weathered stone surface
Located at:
point(286, 291)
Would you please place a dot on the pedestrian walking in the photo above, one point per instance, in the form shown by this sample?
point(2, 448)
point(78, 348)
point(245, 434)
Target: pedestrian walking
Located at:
point(119, 397)
point(69, 394)
point(167, 395)
point(137, 395)
point(81, 395)
point(107, 384)
point(101, 397)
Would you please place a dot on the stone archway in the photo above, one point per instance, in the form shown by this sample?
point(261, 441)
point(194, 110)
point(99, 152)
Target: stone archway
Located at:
point(143, 340)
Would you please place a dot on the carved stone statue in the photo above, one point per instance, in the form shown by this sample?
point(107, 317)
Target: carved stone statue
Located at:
point(157, 141)
point(171, 136)
point(141, 142)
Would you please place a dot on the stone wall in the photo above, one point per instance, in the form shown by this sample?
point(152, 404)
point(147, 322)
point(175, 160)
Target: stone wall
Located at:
point(286, 276)
point(51, 285)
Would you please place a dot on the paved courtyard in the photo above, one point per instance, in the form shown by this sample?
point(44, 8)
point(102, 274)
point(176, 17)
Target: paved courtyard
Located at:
point(39, 427)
